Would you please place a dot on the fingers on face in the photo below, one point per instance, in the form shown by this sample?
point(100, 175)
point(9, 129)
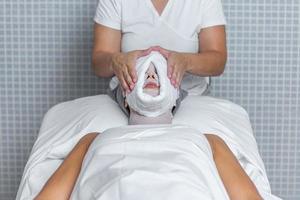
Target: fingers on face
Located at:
point(144, 52)
point(164, 52)
point(132, 73)
point(178, 80)
point(123, 83)
point(170, 70)
point(123, 78)
point(176, 77)
point(161, 50)
point(128, 79)
point(129, 75)
point(155, 48)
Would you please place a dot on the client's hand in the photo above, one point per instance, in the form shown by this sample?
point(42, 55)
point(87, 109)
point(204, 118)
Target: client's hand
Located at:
point(177, 64)
point(123, 65)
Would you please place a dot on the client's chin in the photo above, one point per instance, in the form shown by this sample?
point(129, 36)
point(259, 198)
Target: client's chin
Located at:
point(152, 91)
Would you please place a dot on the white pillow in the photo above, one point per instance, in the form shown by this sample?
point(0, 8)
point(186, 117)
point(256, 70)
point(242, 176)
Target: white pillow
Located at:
point(96, 112)
point(100, 112)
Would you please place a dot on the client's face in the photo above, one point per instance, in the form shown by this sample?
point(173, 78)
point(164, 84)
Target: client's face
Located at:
point(151, 87)
point(151, 84)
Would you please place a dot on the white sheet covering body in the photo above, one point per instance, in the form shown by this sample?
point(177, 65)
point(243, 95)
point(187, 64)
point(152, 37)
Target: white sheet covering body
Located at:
point(149, 162)
point(67, 122)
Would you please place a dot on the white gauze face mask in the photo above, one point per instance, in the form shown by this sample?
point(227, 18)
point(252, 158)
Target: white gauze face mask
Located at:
point(145, 104)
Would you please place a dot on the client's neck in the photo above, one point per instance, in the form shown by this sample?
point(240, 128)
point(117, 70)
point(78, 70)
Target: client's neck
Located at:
point(136, 119)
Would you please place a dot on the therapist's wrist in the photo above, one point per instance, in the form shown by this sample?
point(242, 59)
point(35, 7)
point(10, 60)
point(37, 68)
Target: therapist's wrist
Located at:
point(187, 61)
point(115, 57)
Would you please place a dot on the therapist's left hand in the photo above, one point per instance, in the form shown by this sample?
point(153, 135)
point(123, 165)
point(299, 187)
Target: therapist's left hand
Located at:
point(177, 64)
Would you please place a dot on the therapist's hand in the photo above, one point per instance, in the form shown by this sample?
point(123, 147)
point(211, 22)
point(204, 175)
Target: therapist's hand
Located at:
point(123, 65)
point(177, 64)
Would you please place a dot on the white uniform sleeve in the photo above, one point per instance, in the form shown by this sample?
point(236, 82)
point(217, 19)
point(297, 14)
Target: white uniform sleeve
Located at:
point(212, 14)
point(108, 13)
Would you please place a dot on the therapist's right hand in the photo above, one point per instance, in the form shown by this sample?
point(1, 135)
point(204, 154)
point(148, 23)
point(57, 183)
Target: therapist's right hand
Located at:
point(123, 65)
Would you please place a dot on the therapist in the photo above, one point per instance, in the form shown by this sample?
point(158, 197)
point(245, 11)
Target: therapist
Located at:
point(190, 34)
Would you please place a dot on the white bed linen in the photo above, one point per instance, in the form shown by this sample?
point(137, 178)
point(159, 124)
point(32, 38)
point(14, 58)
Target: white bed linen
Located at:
point(67, 122)
point(167, 162)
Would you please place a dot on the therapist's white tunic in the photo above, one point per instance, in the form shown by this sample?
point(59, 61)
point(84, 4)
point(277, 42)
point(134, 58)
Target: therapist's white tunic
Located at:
point(176, 29)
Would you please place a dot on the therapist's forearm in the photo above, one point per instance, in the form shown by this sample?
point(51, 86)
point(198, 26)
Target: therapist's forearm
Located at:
point(102, 64)
point(208, 63)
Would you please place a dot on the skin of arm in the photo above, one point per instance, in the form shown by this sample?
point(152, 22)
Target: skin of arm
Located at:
point(107, 60)
point(209, 61)
point(237, 183)
point(61, 183)
point(212, 56)
point(107, 42)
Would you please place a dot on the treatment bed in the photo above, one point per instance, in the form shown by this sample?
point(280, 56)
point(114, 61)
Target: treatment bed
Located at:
point(144, 161)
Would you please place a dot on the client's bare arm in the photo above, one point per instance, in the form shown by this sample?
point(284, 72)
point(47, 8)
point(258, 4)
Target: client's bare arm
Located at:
point(236, 181)
point(61, 183)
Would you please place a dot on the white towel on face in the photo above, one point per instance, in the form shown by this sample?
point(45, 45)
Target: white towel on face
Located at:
point(144, 103)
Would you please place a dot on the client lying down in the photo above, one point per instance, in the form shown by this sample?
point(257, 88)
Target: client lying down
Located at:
point(151, 102)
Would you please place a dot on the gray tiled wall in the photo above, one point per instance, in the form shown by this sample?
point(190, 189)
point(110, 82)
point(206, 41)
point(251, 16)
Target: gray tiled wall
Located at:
point(45, 49)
